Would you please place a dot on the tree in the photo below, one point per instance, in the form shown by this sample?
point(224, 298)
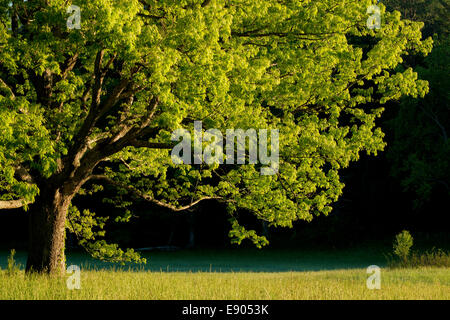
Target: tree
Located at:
point(434, 13)
point(99, 104)
point(420, 149)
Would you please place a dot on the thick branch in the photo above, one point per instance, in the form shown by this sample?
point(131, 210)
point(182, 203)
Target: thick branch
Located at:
point(69, 65)
point(98, 79)
point(133, 136)
point(24, 175)
point(12, 204)
point(97, 110)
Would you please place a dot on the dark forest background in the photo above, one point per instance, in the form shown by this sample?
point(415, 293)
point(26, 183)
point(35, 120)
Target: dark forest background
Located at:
point(405, 187)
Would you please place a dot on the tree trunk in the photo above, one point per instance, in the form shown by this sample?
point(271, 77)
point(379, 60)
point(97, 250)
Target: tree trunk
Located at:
point(47, 232)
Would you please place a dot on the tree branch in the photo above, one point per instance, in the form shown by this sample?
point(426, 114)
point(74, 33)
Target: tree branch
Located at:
point(97, 110)
point(206, 3)
point(98, 79)
point(23, 174)
point(12, 204)
point(4, 85)
point(147, 198)
point(69, 65)
point(133, 136)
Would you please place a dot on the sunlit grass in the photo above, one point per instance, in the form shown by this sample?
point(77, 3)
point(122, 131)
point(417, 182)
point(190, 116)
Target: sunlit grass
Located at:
point(424, 283)
point(245, 274)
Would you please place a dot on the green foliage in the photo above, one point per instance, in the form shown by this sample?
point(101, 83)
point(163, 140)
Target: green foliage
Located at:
point(112, 253)
point(88, 228)
point(432, 258)
point(311, 69)
point(238, 233)
point(402, 245)
point(405, 258)
point(83, 224)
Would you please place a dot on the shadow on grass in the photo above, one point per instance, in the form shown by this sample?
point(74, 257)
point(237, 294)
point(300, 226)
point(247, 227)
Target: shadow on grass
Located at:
point(238, 260)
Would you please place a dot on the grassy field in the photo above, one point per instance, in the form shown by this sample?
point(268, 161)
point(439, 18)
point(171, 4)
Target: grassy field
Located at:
point(240, 274)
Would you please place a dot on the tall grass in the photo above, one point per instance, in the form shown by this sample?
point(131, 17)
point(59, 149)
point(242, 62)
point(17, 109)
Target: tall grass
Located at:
point(405, 258)
point(13, 267)
point(423, 283)
point(284, 275)
point(432, 258)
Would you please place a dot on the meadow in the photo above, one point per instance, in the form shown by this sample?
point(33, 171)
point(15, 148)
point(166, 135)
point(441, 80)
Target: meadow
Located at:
point(230, 275)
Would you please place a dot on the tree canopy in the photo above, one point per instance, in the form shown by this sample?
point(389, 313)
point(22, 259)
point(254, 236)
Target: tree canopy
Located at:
point(100, 103)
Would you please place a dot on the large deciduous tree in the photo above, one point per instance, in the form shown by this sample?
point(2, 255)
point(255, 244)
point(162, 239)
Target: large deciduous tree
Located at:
point(99, 103)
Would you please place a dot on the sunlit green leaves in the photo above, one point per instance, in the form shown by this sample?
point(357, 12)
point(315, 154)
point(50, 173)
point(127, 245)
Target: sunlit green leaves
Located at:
point(311, 69)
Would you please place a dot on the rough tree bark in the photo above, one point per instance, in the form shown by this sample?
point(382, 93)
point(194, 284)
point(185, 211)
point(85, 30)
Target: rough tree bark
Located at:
point(47, 221)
